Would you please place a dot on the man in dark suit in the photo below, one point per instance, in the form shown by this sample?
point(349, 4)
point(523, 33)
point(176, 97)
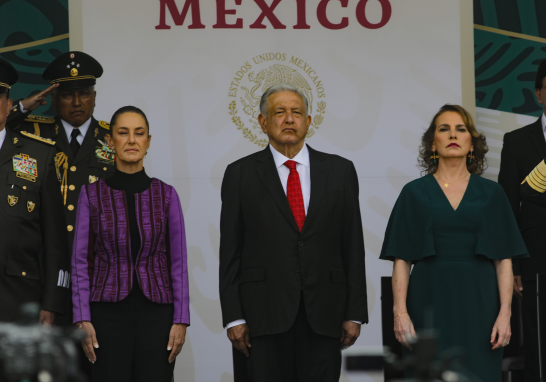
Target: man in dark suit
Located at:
point(522, 150)
point(34, 257)
point(77, 134)
point(292, 274)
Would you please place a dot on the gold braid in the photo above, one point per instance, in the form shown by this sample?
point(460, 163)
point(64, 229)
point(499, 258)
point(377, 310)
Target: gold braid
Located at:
point(62, 160)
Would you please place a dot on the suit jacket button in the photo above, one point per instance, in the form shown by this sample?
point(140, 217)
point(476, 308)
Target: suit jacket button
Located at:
point(24, 273)
point(70, 228)
point(300, 243)
point(72, 187)
point(73, 168)
point(298, 274)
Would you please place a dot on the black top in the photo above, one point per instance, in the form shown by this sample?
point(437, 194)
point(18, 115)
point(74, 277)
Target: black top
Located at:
point(132, 184)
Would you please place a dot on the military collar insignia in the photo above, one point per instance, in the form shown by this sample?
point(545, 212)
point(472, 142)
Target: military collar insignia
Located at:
point(15, 140)
point(73, 66)
point(25, 167)
point(39, 119)
point(96, 132)
point(105, 154)
point(104, 125)
point(30, 206)
point(12, 200)
point(37, 138)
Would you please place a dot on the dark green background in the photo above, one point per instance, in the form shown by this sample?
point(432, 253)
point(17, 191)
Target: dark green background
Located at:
point(506, 66)
point(24, 21)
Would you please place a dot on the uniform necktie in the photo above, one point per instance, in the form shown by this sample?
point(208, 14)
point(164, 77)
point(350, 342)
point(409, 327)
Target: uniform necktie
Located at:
point(294, 194)
point(74, 144)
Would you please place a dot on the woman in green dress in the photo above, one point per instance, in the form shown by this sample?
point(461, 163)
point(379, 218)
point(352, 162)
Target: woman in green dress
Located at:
point(459, 233)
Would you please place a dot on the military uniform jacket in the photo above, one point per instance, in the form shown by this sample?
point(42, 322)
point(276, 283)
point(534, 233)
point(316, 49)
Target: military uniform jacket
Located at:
point(522, 150)
point(34, 255)
point(86, 167)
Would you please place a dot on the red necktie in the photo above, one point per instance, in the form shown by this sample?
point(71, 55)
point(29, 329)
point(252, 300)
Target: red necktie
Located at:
point(294, 194)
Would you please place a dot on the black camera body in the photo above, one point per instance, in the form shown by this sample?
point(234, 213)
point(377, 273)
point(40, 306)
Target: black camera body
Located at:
point(30, 351)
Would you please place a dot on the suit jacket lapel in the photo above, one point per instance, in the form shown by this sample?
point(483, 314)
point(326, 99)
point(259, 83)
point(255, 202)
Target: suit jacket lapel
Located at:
point(270, 177)
point(537, 136)
point(61, 140)
point(9, 149)
point(319, 180)
point(89, 143)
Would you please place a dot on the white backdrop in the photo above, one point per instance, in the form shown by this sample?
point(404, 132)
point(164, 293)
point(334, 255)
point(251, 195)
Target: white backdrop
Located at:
point(379, 89)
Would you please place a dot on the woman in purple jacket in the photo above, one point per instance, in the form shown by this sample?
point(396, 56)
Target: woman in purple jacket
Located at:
point(129, 267)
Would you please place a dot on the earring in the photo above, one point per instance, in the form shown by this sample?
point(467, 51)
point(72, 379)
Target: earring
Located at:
point(434, 156)
point(471, 156)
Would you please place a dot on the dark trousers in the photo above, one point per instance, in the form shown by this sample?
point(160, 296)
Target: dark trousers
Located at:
point(133, 335)
point(298, 355)
point(530, 330)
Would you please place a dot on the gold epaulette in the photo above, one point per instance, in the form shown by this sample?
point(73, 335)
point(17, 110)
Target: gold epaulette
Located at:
point(537, 178)
point(39, 119)
point(35, 137)
point(104, 125)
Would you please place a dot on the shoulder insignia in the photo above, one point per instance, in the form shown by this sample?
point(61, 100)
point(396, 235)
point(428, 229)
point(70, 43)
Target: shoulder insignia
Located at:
point(104, 125)
point(37, 138)
point(39, 119)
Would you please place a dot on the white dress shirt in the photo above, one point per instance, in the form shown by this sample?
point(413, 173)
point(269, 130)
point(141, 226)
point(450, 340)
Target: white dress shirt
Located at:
point(2, 136)
point(303, 168)
point(83, 130)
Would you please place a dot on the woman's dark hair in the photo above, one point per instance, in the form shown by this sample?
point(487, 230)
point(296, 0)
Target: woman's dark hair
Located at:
point(128, 109)
point(479, 163)
point(541, 73)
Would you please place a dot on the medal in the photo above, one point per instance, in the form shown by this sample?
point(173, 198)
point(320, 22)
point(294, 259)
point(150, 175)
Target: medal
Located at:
point(105, 154)
point(93, 179)
point(25, 167)
point(30, 206)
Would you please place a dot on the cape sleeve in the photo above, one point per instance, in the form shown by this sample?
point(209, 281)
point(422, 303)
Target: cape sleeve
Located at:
point(533, 188)
point(499, 236)
point(409, 235)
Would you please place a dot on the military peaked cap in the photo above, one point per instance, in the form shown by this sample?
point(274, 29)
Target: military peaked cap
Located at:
point(8, 75)
point(73, 70)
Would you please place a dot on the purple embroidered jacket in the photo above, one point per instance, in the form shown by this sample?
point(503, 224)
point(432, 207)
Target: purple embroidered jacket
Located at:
point(102, 268)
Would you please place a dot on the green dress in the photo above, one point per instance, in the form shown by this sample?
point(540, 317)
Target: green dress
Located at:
point(453, 279)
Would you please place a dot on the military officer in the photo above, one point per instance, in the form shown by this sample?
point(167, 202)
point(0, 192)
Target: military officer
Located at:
point(82, 154)
point(34, 256)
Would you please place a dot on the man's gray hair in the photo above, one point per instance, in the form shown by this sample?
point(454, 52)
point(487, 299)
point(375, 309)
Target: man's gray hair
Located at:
point(278, 89)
